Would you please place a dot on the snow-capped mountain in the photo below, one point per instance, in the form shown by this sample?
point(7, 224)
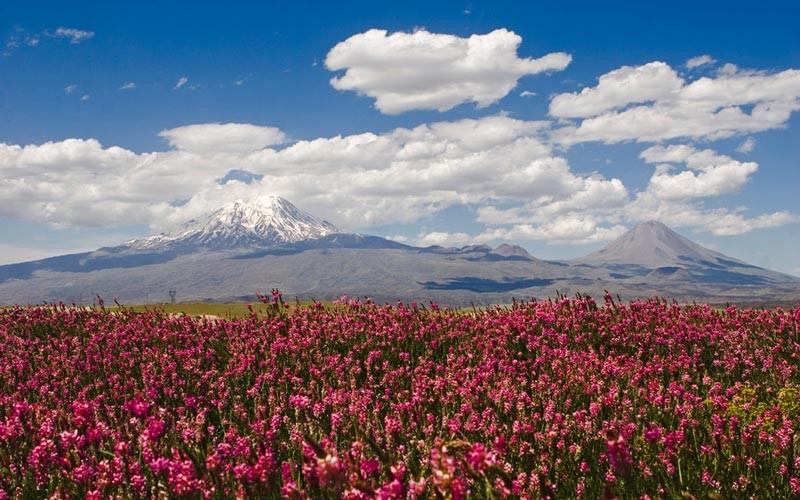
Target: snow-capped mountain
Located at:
point(257, 222)
point(267, 243)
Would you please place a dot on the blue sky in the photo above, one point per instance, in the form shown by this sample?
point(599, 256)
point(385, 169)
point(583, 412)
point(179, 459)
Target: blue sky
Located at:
point(562, 173)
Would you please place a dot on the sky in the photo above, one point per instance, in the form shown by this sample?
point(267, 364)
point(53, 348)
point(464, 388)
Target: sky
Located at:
point(556, 126)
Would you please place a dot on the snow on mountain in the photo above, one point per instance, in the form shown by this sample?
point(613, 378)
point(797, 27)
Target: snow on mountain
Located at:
point(652, 244)
point(265, 243)
point(257, 222)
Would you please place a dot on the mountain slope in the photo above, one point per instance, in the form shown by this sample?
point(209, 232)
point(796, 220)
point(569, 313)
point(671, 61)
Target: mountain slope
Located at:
point(265, 243)
point(653, 245)
point(653, 254)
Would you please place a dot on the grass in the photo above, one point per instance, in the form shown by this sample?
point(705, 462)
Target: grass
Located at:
point(229, 310)
point(237, 310)
point(232, 311)
point(223, 310)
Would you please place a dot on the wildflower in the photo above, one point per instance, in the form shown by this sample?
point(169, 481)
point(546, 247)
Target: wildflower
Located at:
point(329, 471)
point(618, 455)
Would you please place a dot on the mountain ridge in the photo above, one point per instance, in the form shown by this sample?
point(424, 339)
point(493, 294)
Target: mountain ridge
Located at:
point(249, 245)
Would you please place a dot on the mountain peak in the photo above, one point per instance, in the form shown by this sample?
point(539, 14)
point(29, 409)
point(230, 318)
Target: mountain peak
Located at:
point(506, 250)
point(255, 222)
point(652, 244)
point(651, 224)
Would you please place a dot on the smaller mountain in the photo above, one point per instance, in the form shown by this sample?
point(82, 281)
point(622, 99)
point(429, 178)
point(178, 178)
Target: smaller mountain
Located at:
point(476, 253)
point(653, 245)
point(653, 255)
point(506, 250)
point(267, 242)
point(256, 223)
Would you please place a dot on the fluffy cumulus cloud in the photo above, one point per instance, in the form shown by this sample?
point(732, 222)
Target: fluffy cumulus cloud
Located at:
point(405, 174)
point(212, 138)
point(423, 70)
point(673, 194)
point(563, 229)
point(561, 193)
point(68, 183)
point(510, 173)
point(626, 85)
point(357, 181)
point(717, 221)
point(707, 173)
point(652, 103)
point(572, 229)
point(502, 168)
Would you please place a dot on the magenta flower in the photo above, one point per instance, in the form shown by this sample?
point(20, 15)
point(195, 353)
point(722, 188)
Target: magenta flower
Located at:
point(619, 455)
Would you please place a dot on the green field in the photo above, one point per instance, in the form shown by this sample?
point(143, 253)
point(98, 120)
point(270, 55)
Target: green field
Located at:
point(222, 310)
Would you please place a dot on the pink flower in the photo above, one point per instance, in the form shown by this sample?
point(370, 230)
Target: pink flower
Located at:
point(619, 456)
point(329, 471)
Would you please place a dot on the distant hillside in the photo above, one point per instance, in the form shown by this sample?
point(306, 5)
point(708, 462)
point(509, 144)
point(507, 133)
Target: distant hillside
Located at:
point(265, 243)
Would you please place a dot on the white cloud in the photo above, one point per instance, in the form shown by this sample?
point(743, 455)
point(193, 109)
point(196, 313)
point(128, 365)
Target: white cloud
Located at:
point(74, 35)
point(362, 180)
point(626, 85)
point(181, 82)
point(575, 195)
point(527, 93)
point(499, 167)
point(443, 239)
point(70, 88)
point(674, 153)
point(509, 172)
point(708, 173)
point(571, 229)
point(597, 208)
point(698, 61)
point(718, 221)
point(85, 97)
point(213, 138)
point(20, 37)
point(747, 146)
point(643, 104)
point(128, 86)
point(728, 69)
point(11, 44)
point(423, 70)
point(70, 182)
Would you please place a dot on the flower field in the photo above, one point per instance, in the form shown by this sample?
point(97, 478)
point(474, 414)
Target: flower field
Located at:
point(560, 399)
